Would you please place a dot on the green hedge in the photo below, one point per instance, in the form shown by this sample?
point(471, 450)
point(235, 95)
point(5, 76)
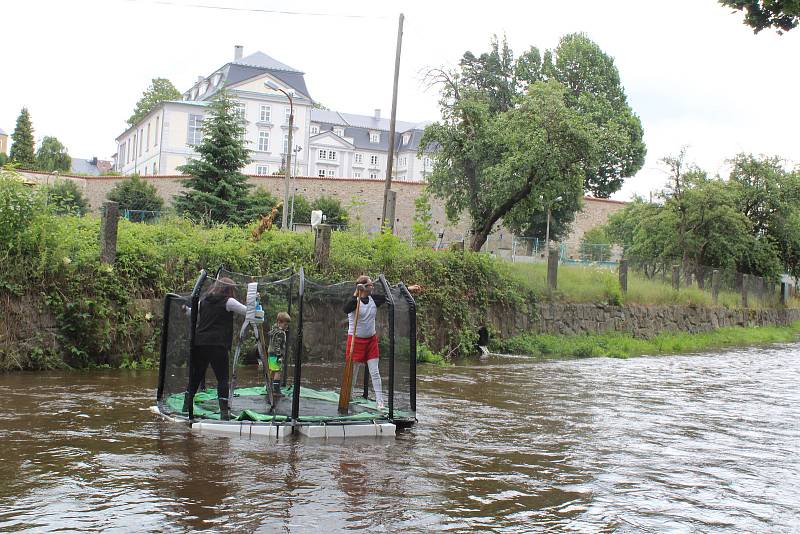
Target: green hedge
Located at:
point(54, 259)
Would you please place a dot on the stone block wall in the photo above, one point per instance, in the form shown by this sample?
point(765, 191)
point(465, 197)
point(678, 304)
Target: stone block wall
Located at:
point(640, 321)
point(363, 198)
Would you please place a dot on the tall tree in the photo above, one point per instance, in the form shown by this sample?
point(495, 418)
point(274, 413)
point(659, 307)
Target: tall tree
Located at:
point(52, 156)
point(217, 190)
point(160, 89)
point(782, 15)
point(478, 96)
point(21, 151)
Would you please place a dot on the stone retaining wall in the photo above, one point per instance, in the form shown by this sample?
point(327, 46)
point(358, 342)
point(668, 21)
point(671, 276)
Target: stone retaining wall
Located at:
point(641, 321)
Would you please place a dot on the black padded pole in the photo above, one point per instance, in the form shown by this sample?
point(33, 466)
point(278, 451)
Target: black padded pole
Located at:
point(390, 301)
point(412, 338)
point(298, 352)
point(162, 361)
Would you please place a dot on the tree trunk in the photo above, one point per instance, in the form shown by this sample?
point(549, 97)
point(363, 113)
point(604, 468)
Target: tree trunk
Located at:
point(486, 227)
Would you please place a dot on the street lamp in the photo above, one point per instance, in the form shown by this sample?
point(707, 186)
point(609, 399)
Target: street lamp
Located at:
point(285, 219)
point(297, 149)
point(547, 230)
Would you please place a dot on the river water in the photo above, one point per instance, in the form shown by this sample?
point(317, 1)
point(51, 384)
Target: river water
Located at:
point(653, 444)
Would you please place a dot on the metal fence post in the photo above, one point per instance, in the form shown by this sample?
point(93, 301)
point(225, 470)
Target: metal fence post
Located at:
point(552, 270)
point(715, 286)
point(745, 280)
point(623, 275)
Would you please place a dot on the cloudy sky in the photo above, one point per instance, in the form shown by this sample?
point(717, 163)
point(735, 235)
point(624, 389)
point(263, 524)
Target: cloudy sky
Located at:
point(692, 71)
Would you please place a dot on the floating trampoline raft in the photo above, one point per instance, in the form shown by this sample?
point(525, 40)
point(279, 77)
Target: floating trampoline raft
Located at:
point(314, 362)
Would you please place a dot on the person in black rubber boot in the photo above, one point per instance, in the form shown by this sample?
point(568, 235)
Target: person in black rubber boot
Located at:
point(212, 343)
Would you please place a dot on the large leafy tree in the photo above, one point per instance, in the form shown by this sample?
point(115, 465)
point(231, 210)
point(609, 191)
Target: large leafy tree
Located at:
point(782, 15)
point(160, 89)
point(52, 156)
point(769, 196)
point(21, 151)
point(217, 190)
point(486, 95)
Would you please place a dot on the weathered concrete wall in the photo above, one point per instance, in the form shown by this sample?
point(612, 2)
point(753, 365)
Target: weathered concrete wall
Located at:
point(641, 321)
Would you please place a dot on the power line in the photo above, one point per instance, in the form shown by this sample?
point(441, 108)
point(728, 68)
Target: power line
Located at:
point(258, 10)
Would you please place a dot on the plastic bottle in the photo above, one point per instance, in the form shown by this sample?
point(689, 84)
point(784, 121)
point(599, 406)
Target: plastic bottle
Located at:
point(259, 315)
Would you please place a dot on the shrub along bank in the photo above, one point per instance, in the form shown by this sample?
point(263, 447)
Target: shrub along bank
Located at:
point(64, 308)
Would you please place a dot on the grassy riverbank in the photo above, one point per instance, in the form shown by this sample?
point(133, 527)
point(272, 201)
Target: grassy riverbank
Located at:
point(620, 345)
point(64, 308)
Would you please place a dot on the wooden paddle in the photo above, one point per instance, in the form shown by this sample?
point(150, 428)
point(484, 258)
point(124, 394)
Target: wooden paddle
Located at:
point(347, 377)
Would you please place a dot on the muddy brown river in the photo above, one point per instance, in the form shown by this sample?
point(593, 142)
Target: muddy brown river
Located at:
point(697, 443)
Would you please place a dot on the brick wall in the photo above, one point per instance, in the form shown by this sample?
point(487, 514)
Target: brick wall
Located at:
point(363, 199)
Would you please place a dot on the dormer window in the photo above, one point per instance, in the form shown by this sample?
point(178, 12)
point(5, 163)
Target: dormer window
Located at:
point(194, 94)
point(406, 138)
point(314, 129)
point(338, 131)
point(374, 137)
point(203, 88)
point(217, 78)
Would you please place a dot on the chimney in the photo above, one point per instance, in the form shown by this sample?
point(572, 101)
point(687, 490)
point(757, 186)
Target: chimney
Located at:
point(377, 114)
point(238, 52)
point(199, 79)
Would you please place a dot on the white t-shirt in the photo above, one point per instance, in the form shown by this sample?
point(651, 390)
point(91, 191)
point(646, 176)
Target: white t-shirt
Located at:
point(366, 319)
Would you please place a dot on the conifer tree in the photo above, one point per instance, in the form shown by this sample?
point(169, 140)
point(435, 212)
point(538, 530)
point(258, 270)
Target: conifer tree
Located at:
point(217, 191)
point(22, 141)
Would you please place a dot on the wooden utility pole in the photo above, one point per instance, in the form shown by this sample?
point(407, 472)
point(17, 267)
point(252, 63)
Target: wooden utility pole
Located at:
point(387, 219)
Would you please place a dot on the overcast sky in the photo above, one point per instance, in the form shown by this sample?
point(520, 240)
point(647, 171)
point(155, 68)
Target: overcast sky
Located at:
point(692, 71)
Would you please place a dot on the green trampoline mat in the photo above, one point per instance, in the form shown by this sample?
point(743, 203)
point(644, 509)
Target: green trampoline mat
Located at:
point(251, 404)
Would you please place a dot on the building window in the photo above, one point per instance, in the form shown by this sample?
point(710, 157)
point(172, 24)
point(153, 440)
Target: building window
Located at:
point(314, 129)
point(331, 155)
point(265, 114)
point(128, 150)
point(321, 173)
point(148, 137)
point(356, 174)
point(374, 137)
point(155, 133)
point(195, 132)
point(287, 112)
point(358, 158)
point(323, 154)
point(373, 160)
point(373, 175)
point(339, 131)
point(427, 162)
point(263, 141)
point(331, 173)
point(406, 138)
point(240, 109)
point(262, 170)
point(141, 140)
point(155, 169)
point(285, 143)
point(403, 161)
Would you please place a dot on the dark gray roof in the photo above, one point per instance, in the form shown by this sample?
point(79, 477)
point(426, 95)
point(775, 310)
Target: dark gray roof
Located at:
point(262, 60)
point(84, 166)
point(360, 136)
point(359, 121)
point(254, 65)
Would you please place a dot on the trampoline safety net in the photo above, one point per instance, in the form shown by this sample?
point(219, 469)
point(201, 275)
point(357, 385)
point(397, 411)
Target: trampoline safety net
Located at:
point(312, 367)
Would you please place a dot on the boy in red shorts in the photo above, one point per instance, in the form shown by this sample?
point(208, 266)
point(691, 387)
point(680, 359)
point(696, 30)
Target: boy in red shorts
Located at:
point(365, 347)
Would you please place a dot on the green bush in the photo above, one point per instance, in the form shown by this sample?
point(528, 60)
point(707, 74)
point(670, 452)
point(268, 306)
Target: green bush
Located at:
point(19, 204)
point(332, 209)
point(136, 194)
point(595, 245)
point(64, 197)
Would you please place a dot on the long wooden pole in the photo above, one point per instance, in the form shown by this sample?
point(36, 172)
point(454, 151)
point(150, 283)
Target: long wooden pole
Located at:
point(347, 377)
point(387, 220)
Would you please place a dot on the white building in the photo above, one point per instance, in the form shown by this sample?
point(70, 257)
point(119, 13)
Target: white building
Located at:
point(328, 143)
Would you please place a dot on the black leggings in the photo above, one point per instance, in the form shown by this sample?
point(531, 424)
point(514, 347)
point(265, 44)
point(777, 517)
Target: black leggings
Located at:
point(218, 358)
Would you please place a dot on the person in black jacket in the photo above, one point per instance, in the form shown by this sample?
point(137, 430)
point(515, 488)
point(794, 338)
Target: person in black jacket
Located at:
point(212, 341)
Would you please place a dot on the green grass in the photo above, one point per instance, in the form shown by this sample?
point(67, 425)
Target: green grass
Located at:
point(621, 345)
point(578, 283)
